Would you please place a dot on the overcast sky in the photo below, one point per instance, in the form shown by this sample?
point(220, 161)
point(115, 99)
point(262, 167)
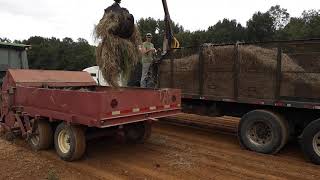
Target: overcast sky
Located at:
point(21, 19)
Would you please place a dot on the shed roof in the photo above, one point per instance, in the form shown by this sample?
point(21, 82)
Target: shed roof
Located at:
point(13, 46)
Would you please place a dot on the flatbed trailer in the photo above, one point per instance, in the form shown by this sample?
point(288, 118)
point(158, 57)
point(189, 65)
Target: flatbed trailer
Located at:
point(62, 108)
point(273, 86)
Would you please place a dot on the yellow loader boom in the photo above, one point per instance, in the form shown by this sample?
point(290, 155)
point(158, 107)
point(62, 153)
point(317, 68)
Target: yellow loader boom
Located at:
point(169, 40)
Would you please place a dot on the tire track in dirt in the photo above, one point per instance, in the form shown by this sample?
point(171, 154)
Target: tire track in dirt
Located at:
point(224, 164)
point(93, 173)
point(255, 160)
point(18, 161)
point(172, 152)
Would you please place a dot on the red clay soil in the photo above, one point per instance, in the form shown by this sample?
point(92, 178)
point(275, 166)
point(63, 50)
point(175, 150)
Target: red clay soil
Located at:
point(172, 152)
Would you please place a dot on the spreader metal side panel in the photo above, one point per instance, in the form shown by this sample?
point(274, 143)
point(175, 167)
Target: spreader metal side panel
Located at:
point(39, 78)
point(106, 107)
point(141, 103)
point(68, 105)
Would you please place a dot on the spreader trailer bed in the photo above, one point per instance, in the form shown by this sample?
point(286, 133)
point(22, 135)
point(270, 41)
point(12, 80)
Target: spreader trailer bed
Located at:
point(62, 108)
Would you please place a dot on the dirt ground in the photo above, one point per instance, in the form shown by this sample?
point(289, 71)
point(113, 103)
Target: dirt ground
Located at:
point(172, 152)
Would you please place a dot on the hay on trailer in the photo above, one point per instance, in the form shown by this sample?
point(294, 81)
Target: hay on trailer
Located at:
point(118, 49)
point(257, 73)
point(185, 74)
point(266, 58)
point(252, 58)
point(258, 70)
point(187, 63)
point(218, 57)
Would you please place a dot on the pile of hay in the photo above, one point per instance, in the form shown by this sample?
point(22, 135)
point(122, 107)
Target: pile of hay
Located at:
point(251, 58)
point(188, 63)
point(257, 69)
point(119, 40)
point(185, 73)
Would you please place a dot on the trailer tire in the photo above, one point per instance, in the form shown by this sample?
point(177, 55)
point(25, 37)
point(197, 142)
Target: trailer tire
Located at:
point(43, 138)
point(70, 142)
point(138, 132)
point(263, 131)
point(310, 142)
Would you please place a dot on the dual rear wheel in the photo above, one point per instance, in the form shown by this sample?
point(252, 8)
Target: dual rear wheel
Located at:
point(267, 132)
point(310, 142)
point(263, 131)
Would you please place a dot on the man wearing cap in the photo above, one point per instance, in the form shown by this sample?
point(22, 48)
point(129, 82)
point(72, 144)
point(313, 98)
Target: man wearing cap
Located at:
point(147, 49)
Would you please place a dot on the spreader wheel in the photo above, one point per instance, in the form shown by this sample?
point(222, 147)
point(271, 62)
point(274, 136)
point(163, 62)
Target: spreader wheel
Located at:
point(42, 138)
point(70, 142)
point(138, 132)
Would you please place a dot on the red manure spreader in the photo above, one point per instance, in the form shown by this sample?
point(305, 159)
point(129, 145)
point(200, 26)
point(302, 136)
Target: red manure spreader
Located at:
point(66, 108)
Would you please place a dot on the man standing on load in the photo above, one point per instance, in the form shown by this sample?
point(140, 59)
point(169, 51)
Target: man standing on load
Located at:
point(147, 49)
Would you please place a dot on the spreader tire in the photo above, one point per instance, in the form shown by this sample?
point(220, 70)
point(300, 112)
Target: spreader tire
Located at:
point(70, 142)
point(42, 138)
point(138, 132)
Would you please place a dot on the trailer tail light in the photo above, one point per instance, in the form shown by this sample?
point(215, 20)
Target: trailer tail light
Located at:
point(279, 104)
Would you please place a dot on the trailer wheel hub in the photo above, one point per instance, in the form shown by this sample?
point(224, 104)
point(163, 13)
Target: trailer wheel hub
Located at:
point(316, 143)
point(64, 141)
point(260, 133)
point(35, 139)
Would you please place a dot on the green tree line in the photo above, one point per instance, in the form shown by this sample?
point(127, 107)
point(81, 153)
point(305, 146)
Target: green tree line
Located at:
point(55, 54)
point(275, 24)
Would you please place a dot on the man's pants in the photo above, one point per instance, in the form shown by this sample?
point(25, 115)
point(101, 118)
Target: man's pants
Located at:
point(144, 75)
